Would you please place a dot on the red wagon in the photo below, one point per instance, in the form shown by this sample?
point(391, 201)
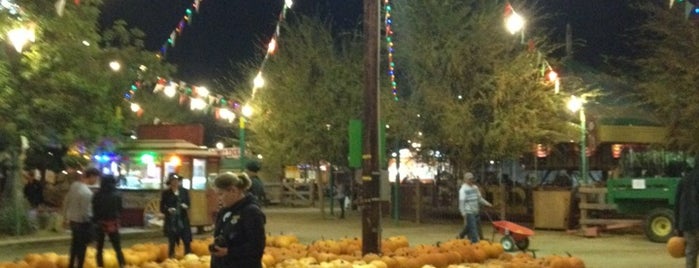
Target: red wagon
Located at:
point(514, 235)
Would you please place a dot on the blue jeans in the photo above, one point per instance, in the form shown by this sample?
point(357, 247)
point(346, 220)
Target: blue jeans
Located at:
point(470, 230)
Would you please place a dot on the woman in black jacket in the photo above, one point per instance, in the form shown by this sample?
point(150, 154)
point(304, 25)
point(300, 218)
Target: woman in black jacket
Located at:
point(174, 204)
point(239, 235)
point(106, 207)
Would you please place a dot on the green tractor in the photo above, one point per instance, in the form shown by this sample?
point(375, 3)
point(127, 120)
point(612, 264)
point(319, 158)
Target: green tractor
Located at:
point(650, 198)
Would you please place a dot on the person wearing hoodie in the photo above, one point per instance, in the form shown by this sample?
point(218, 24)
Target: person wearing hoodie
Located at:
point(106, 208)
point(239, 233)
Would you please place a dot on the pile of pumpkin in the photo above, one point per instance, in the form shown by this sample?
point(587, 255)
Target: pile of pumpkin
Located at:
point(285, 251)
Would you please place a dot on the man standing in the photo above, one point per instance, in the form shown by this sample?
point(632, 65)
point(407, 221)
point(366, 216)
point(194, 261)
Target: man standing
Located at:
point(258, 187)
point(687, 214)
point(174, 204)
point(78, 213)
point(469, 205)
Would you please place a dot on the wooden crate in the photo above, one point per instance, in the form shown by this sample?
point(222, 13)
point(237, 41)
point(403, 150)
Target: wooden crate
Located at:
point(552, 209)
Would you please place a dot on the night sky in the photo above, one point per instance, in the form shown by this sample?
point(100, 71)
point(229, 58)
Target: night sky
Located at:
point(225, 32)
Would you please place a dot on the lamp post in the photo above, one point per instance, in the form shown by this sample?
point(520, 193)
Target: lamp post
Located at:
point(576, 104)
point(246, 111)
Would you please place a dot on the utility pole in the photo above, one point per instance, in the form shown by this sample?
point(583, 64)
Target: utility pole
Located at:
point(371, 219)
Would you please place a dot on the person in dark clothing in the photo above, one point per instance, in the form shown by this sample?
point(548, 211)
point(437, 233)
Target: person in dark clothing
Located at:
point(106, 208)
point(340, 196)
point(687, 214)
point(239, 233)
point(174, 204)
point(258, 187)
point(33, 191)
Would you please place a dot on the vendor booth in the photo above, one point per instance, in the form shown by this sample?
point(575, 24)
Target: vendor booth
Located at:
point(144, 168)
point(145, 164)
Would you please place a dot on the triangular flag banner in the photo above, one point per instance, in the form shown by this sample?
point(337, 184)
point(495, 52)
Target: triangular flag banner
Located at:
point(173, 35)
point(60, 6)
point(183, 98)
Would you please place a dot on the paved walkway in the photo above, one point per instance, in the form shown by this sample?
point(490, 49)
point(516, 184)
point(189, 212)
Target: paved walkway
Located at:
point(44, 237)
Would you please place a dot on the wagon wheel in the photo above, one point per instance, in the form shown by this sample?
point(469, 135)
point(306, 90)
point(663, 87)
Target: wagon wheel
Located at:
point(522, 244)
point(508, 243)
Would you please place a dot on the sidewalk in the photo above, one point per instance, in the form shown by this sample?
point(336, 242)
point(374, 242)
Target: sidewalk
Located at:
point(48, 237)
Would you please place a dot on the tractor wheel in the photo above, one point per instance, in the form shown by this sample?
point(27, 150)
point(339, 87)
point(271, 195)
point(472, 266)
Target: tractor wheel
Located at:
point(508, 243)
point(658, 225)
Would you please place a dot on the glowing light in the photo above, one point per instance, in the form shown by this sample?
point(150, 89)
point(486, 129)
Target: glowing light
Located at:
point(247, 110)
point(170, 90)
point(115, 65)
point(553, 76)
point(202, 91)
point(272, 47)
point(197, 104)
point(226, 114)
point(288, 3)
point(20, 37)
point(135, 107)
point(514, 22)
point(258, 82)
point(86, 43)
point(575, 103)
point(147, 159)
point(175, 160)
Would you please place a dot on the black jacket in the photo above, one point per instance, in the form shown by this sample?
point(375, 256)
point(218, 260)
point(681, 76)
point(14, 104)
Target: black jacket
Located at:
point(687, 202)
point(106, 204)
point(242, 228)
point(168, 199)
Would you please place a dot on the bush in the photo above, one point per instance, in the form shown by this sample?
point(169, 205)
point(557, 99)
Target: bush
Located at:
point(14, 220)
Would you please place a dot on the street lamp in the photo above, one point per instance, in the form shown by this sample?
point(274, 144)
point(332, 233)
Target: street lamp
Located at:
point(514, 22)
point(576, 104)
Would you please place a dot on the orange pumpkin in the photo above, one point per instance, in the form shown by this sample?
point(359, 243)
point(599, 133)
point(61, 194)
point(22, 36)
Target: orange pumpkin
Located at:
point(675, 246)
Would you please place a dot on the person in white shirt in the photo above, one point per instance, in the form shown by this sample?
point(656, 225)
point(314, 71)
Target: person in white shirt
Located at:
point(470, 200)
point(78, 213)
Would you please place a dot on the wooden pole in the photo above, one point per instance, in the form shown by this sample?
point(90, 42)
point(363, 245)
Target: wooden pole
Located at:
point(371, 220)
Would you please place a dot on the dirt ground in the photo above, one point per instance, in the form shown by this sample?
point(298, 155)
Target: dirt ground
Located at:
point(627, 249)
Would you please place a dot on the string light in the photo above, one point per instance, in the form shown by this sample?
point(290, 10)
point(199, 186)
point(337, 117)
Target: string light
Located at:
point(186, 20)
point(515, 23)
point(259, 81)
point(200, 97)
point(388, 21)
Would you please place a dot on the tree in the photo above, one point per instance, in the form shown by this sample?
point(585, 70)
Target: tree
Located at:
point(480, 93)
point(666, 72)
point(60, 90)
point(313, 88)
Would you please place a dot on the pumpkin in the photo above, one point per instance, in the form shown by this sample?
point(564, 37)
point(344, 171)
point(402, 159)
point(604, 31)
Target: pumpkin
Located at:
point(576, 262)
point(675, 246)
